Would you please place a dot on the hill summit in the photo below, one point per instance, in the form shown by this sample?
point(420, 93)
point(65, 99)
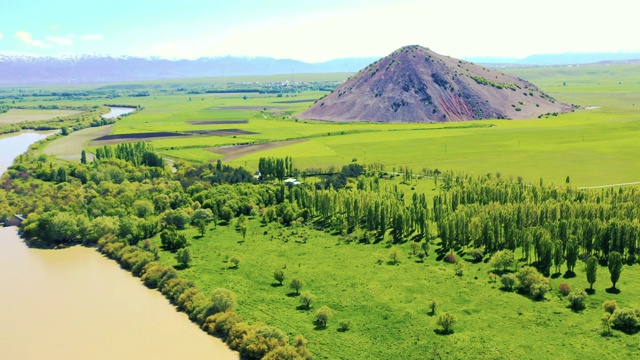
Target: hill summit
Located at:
point(415, 84)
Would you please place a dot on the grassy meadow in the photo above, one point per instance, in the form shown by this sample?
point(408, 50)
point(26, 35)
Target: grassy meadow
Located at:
point(14, 116)
point(388, 304)
point(592, 147)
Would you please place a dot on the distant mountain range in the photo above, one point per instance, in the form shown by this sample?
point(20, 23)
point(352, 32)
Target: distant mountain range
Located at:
point(559, 59)
point(25, 70)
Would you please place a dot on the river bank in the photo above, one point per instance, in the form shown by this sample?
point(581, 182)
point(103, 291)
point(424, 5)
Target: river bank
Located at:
point(75, 304)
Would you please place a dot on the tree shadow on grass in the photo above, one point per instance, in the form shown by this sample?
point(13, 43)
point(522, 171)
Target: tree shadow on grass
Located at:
point(180, 267)
point(612, 290)
point(569, 275)
point(293, 294)
point(303, 307)
point(443, 332)
point(198, 236)
point(555, 276)
point(276, 285)
point(319, 326)
point(590, 291)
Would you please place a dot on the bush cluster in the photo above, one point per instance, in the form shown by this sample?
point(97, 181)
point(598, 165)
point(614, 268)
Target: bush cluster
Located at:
point(214, 313)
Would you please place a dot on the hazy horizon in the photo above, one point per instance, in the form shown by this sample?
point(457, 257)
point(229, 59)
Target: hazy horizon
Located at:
point(313, 31)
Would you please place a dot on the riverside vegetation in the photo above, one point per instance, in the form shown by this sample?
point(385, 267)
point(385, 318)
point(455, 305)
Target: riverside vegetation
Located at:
point(359, 257)
point(369, 255)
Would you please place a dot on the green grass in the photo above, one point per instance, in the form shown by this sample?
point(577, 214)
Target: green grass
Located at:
point(388, 305)
point(593, 147)
point(14, 116)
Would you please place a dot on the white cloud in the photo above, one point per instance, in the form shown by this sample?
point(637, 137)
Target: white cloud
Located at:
point(92, 37)
point(59, 40)
point(26, 38)
point(1, 36)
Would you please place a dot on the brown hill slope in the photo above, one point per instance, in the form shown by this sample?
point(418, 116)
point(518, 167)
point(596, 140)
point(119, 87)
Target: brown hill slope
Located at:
point(414, 84)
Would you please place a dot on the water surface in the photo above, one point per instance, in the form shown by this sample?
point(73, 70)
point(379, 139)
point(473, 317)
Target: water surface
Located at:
point(76, 304)
point(117, 111)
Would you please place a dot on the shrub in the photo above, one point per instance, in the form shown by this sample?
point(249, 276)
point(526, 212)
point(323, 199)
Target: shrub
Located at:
point(394, 255)
point(261, 339)
point(421, 256)
point(446, 322)
point(344, 325)
point(322, 316)
point(493, 277)
point(460, 268)
point(183, 257)
point(508, 281)
point(606, 323)
point(221, 323)
point(502, 260)
point(610, 306)
point(564, 289)
point(235, 260)
point(432, 306)
point(477, 254)
point(306, 299)
point(222, 300)
point(172, 240)
point(577, 298)
point(296, 284)
point(415, 247)
point(278, 275)
point(530, 281)
point(450, 258)
point(539, 289)
point(625, 319)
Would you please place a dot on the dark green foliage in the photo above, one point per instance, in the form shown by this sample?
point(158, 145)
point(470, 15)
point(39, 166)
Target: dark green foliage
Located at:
point(614, 262)
point(592, 268)
point(139, 153)
point(446, 322)
point(571, 254)
point(296, 284)
point(183, 257)
point(173, 240)
point(278, 275)
point(275, 168)
point(322, 316)
point(508, 281)
point(176, 218)
point(626, 319)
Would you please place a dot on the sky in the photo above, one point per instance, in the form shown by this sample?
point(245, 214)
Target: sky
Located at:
point(317, 30)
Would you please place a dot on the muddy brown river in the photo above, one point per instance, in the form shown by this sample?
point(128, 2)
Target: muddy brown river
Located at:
point(76, 304)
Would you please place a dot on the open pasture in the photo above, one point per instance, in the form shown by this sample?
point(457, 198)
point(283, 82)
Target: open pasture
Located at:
point(14, 116)
point(591, 147)
point(388, 304)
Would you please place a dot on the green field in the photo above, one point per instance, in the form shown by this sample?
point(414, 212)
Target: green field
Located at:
point(388, 305)
point(593, 147)
point(14, 116)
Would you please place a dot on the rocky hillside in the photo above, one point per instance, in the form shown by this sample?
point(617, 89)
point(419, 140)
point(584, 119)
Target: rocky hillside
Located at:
point(414, 84)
